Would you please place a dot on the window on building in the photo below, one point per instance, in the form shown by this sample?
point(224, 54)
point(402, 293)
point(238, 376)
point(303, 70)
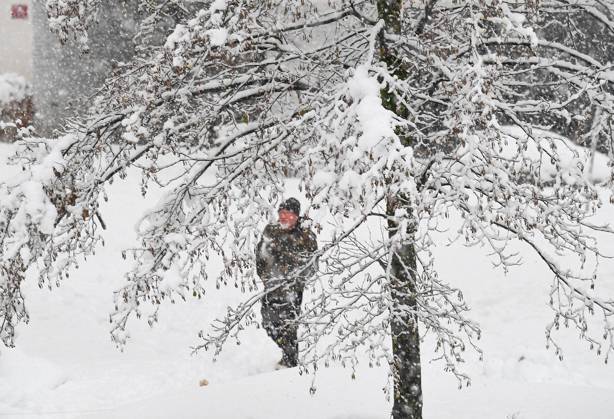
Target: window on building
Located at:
point(19, 11)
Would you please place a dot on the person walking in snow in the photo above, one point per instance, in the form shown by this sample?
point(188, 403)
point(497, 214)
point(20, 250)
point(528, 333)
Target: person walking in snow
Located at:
point(284, 259)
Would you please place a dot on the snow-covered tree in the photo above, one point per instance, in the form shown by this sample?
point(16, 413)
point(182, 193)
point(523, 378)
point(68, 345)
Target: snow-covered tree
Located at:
point(393, 115)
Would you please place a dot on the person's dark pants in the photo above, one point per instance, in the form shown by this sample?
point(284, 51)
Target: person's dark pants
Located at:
point(280, 309)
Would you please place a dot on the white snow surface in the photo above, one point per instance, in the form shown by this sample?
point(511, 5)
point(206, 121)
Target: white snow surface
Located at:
point(218, 36)
point(65, 366)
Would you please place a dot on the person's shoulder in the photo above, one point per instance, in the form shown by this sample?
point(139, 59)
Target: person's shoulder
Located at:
point(306, 230)
point(305, 225)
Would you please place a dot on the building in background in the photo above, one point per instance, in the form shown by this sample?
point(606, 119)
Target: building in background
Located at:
point(16, 38)
point(60, 76)
point(15, 67)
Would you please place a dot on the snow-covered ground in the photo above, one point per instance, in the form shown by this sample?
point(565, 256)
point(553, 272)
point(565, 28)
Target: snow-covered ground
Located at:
point(65, 366)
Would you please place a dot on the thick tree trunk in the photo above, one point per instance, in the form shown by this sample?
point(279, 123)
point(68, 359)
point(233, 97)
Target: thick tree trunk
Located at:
point(406, 367)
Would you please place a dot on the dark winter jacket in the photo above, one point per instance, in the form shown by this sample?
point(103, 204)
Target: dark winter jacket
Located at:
point(281, 252)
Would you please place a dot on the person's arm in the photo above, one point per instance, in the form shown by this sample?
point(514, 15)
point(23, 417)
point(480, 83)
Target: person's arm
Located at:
point(312, 242)
point(262, 259)
point(310, 246)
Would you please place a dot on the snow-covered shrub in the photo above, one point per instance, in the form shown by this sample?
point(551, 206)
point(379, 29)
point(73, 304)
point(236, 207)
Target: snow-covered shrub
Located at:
point(16, 109)
point(13, 88)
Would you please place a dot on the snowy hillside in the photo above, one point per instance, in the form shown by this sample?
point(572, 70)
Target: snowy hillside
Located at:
point(65, 366)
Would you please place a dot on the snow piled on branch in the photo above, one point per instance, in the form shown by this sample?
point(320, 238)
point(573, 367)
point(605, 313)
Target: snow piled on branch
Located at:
point(26, 202)
point(375, 121)
point(364, 143)
point(208, 25)
point(71, 19)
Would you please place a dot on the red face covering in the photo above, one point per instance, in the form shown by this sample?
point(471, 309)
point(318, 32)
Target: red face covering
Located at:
point(287, 219)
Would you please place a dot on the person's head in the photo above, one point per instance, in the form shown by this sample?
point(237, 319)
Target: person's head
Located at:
point(288, 212)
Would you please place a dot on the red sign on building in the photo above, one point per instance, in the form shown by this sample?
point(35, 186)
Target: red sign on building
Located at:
point(19, 11)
